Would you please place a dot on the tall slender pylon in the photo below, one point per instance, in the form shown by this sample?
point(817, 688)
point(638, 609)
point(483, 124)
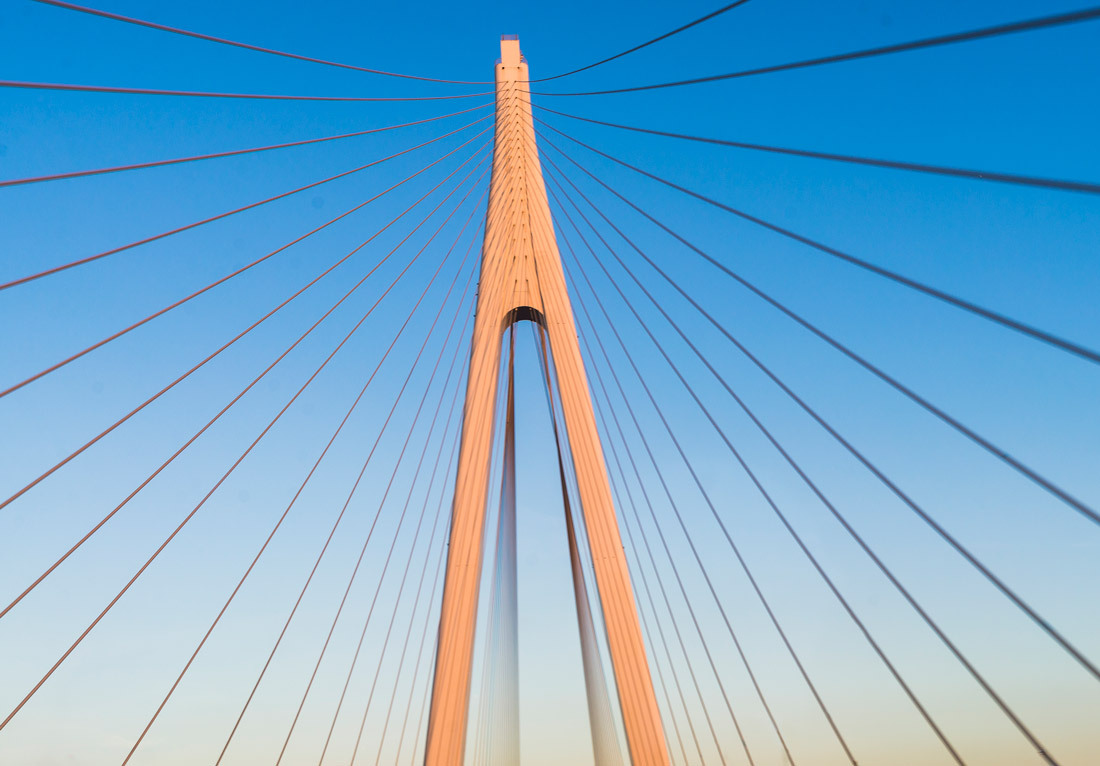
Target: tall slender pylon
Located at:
point(522, 278)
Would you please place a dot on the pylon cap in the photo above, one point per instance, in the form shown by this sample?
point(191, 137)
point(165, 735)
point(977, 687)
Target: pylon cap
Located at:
point(509, 50)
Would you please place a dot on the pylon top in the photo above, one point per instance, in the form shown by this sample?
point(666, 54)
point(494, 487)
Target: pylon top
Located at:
point(509, 50)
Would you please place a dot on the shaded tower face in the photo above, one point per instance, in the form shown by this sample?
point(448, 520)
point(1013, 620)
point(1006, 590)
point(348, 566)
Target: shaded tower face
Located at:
point(522, 278)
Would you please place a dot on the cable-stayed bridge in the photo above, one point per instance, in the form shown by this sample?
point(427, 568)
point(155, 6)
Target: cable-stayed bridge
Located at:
point(540, 428)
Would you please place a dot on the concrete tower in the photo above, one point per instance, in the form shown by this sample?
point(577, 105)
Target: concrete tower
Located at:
point(522, 278)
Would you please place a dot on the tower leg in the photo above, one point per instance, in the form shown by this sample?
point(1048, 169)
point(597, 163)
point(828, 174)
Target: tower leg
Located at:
point(641, 716)
point(458, 615)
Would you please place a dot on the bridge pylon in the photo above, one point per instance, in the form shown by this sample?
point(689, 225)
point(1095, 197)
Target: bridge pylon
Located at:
point(522, 278)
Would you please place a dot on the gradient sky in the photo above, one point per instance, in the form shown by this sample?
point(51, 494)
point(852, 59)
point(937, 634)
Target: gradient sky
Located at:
point(1025, 104)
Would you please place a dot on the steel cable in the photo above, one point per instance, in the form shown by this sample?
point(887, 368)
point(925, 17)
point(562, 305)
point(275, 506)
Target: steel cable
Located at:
point(302, 487)
point(741, 561)
point(430, 611)
point(646, 44)
point(344, 508)
point(453, 408)
point(604, 741)
point(440, 517)
point(58, 86)
point(160, 312)
point(408, 438)
point(1021, 468)
point(962, 550)
point(168, 540)
point(231, 341)
point(916, 167)
point(186, 227)
point(1044, 22)
point(210, 422)
point(1009, 713)
point(220, 155)
point(993, 316)
point(247, 46)
point(668, 553)
point(202, 502)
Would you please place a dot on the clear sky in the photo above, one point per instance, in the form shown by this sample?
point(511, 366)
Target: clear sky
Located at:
point(1022, 104)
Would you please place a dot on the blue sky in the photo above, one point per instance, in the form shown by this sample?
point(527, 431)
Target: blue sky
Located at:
point(1023, 104)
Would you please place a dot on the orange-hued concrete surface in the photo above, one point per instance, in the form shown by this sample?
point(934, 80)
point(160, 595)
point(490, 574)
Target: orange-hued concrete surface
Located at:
point(521, 269)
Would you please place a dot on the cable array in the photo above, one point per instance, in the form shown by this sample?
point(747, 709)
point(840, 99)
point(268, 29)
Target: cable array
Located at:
point(814, 531)
point(998, 30)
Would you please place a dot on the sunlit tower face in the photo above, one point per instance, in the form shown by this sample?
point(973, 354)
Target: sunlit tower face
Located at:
point(522, 276)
